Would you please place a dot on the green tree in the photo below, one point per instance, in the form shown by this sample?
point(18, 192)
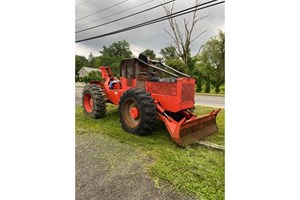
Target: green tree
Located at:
point(117, 49)
point(176, 63)
point(207, 85)
point(168, 52)
point(98, 61)
point(149, 53)
point(92, 60)
point(199, 83)
point(113, 54)
point(171, 59)
point(213, 59)
point(204, 72)
point(80, 61)
point(198, 75)
point(92, 76)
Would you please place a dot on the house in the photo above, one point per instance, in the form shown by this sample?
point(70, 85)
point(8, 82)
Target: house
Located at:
point(85, 70)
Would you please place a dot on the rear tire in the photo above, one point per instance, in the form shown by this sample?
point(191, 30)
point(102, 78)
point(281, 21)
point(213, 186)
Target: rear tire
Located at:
point(137, 112)
point(93, 101)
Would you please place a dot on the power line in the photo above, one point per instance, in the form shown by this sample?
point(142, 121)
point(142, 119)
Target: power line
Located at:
point(124, 17)
point(82, 3)
point(101, 10)
point(177, 14)
point(117, 13)
point(193, 7)
point(173, 15)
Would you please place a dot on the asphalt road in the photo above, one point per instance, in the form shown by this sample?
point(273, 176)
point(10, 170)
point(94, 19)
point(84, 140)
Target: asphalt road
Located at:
point(204, 100)
point(209, 100)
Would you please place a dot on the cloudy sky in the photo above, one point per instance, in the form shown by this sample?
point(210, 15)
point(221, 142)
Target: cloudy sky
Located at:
point(152, 37)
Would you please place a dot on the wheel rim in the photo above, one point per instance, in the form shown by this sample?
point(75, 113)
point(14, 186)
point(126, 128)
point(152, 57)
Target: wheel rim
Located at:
point(88, 103)
point(131, 113)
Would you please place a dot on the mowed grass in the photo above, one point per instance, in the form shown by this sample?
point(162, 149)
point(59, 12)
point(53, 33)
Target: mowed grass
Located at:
point(195, 170)
point(211, 94)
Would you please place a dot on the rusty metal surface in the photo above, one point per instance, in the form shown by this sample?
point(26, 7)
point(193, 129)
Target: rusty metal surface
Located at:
point(196, 126)
point(192, 131)
point(186, 132)
point(195, 135)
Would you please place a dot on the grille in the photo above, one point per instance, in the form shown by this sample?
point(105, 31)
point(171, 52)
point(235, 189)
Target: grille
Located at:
point(187, 92)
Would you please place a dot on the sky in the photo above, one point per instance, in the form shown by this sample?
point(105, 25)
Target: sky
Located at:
point(152, 37)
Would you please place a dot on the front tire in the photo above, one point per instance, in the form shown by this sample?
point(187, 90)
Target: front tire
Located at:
point(137, 112)
point(93, 101)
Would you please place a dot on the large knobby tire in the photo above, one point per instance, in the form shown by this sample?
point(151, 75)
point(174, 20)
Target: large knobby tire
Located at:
point(137, 112)
point(93, 101)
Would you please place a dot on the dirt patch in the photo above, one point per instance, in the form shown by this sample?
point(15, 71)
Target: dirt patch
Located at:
point(107, 169)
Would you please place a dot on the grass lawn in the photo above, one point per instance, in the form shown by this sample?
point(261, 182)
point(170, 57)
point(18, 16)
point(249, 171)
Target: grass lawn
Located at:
point(195, 170)
point(211, 94)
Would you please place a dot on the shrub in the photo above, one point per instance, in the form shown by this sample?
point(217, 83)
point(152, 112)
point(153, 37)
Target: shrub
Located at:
point(222, 88)
point(199, 84)
point(207, 86)
point(92, 76)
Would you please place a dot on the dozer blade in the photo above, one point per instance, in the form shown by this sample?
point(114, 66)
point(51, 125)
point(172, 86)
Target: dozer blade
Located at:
point(190, 131)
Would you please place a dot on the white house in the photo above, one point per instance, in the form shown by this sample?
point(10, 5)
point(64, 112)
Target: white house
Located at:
point(85, 70)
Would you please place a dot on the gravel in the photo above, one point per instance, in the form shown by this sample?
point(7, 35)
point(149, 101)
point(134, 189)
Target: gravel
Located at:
point(108, 169)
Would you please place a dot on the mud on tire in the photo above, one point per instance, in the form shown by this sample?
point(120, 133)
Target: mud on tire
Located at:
point(137, 112)
point(93, 101)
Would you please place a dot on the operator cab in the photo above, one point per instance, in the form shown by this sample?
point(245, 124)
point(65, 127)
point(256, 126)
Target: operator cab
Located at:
point(137, 71)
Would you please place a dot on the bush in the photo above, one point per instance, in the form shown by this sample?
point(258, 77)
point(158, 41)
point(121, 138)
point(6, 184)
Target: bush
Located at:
point(222, 88)
point(199, 84)
point(207, 86)
point(92, 76)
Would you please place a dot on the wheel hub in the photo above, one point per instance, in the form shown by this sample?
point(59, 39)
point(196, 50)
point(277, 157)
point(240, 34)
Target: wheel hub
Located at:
point(134, 113)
